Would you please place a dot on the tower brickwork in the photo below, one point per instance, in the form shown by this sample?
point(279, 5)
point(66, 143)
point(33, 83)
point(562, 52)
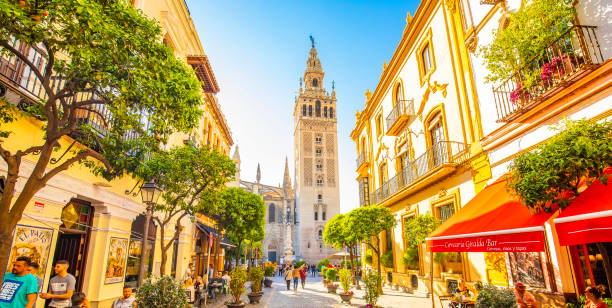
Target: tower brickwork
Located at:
point(317, 195)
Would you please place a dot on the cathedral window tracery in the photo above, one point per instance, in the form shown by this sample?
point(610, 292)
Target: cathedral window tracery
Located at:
point(318, 109)
point(315, 82)
point(310, 110)
point(272, 213)
point(325, 112)
point(318, 152)
point(331, 112)
point(304, 110)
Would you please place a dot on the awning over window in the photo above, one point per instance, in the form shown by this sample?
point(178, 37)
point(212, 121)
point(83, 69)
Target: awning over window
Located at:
point(493, 221)
point(207, 230)
point(589, 218)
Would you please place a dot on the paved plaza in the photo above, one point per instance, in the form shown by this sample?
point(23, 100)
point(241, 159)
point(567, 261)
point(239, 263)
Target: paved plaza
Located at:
point(315, 295)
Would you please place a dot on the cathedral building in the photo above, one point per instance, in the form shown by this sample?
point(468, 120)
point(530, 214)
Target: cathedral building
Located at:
point(280, 228)
point(316, 161)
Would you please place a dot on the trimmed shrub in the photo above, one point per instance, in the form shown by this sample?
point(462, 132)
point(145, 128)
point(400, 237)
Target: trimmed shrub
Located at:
point(345, 279)
point(161, 292)
point(371, 281)
point(387, 259)
point(331, 274)
point(239, 277)
point(255, 276)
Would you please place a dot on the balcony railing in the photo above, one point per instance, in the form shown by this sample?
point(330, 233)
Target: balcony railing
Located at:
point(361, 159)
point(399, 115)
point(16, 73)
point(442, 152)
point(567, 59)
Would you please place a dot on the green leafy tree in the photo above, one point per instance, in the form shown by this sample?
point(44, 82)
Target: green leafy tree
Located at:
point(324, 262)
point(551, 174)
point(240, 214)
point(161, 292)
point(367, 222)
point(101, 57)
point(188, 175)
point(529, 32)
point(338, 233)
point(416, 230)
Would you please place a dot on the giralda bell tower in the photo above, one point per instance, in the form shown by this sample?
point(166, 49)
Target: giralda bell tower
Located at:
point(316, 160)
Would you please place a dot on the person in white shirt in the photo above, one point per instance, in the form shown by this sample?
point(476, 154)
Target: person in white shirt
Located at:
point(188, 272)
point(127, 301)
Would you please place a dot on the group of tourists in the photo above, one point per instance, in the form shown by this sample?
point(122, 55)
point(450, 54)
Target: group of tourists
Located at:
point(21, 288)
point(209, 284)
point(296, 273)
point(282, 269)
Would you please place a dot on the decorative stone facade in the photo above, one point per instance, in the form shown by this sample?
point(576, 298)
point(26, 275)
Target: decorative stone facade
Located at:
point(316, 161)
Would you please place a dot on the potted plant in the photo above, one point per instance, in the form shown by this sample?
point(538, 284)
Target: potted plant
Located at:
point(371, 281)
point(239, 277)
point(323, 264)
point(162, 292)
point(519, 95)
point(345, 282)
point(269, 271)
point(492, 296)
point(410, 258)
point(324, 274)
point(255, 276)
point(331, 275)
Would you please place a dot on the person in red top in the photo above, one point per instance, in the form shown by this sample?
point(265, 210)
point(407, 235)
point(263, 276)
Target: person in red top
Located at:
point(524, 299)
point(303, 275)
point(593, 295)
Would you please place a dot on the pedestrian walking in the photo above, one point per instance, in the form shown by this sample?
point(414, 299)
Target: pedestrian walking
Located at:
point(296, 277)
point(303, 275)
point(19, 287)
point(34, 267)
point(126, 301)
point(314, 270)
point(288, 277)
point(61, 286)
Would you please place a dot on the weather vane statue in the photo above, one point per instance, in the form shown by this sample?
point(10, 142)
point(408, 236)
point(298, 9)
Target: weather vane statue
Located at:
point(312, 41)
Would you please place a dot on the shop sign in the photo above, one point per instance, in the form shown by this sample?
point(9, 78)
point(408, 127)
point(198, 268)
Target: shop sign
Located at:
point(513, 242)
point(115, 264)
point(39, 206)
point(32, 242)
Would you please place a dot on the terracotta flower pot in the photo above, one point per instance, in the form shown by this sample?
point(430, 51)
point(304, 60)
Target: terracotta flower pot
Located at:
point(254, 297)
point(331, 288)
point(233, 305)
point(346, 297)
point(268, 283)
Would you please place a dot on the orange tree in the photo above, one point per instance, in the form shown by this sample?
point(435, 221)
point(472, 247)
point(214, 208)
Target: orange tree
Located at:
point(552, 174)
point(98, 57)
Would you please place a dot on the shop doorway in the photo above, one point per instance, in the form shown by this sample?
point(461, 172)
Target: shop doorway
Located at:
point(592, 265)
point(73, 240)
point(135, 250)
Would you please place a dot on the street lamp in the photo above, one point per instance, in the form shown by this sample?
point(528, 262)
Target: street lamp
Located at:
point(150, 193)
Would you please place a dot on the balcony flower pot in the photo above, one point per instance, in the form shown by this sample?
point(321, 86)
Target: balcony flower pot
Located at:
point(519, 96)
point(346, 297)
point(331, 288)
point(268, 283)
point(254, 298)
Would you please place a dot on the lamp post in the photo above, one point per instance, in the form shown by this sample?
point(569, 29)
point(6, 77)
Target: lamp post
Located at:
point(150, 193)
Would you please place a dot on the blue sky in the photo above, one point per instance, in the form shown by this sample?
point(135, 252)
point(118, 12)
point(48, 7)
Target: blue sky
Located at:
point(258, 51)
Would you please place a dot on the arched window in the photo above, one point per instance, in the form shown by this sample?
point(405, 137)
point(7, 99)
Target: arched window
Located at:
point(308, 244)
point(325, 111)
point(435, 130)
point(303, 110)
point(399, 93)
point(323, 216)
point(310, 110)
point(331, 112)
point(316, 216)
point(272, 213)
point(318, 108)
point(315, 82)
point(320, 234)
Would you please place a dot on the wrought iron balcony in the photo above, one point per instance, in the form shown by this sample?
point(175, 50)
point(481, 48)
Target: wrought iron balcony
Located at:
point(401, 114)
point(15, 73)
point(442, 153)
point(567, 59)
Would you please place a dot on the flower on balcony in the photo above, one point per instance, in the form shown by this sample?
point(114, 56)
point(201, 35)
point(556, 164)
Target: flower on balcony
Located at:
point(519, 94)
point(554, 66)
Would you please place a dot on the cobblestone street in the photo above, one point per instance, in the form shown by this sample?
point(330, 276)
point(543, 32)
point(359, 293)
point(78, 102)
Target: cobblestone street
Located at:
point(315, 296)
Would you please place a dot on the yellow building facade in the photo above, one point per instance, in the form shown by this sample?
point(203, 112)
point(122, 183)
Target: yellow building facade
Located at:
point(418, 144)
point(93, 222)
point(433, 134)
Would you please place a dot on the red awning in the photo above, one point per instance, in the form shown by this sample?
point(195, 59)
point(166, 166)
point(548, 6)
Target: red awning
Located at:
point(493, 221)
point(589, 218)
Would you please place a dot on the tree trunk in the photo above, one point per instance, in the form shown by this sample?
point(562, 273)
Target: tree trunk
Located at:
point(239, 248)
point(355, 281)
point(162, 235)
point(6, 237)
point(251, 258)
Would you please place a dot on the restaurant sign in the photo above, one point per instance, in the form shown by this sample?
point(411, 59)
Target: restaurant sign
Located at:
point(493, 242)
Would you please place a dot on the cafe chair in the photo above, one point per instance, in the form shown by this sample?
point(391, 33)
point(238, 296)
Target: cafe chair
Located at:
point(445, 301)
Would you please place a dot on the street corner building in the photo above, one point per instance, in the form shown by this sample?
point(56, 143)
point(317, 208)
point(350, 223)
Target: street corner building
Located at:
point(98, 225)
point(435, 138)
